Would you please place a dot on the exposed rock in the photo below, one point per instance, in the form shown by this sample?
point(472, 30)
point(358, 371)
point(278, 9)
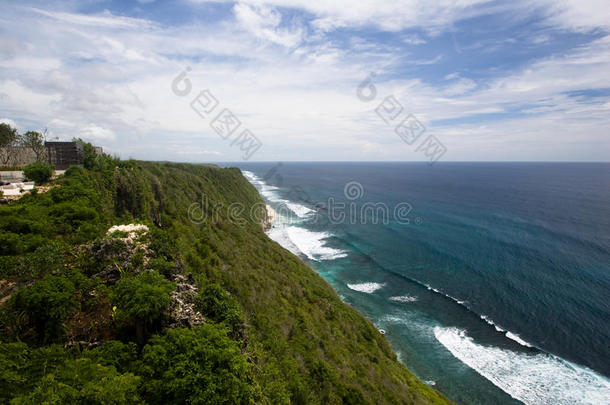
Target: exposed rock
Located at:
point(7, 288)
point(83, 344)
point(267, 221)
point(133, 231)
point(182, 313)
point(119, 252)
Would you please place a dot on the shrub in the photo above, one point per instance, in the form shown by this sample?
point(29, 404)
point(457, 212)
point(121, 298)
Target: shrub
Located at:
point(85, 382)
point(162, 244)
point(38, 172)
point(47, 303)
point(70, 215)
point(162, 266)
point(141, 301)
point(47, 258)
point(10, 243)
point(196, 366)
point(120, 355)
point(214, 303)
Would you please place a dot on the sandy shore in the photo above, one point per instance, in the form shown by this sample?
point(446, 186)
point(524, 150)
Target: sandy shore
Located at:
point(271, 215)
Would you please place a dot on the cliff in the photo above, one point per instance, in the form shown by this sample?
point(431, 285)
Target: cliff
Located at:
point(191, 303)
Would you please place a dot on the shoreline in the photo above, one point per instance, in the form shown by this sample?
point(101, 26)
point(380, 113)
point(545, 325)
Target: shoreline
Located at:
point(270, 217)
point(461, 346)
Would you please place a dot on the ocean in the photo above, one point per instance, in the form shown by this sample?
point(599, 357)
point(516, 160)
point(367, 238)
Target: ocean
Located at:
point(491, 280)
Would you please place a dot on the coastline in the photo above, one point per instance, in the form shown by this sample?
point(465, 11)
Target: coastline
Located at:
point(445, 343)
point(268, 224)
point(270, 217)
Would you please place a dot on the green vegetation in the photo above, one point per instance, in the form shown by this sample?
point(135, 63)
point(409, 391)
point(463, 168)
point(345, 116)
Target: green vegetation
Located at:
point(140, 302)
point(46, 303)
point(211, 312)
point(39, 172)
point(198, 366)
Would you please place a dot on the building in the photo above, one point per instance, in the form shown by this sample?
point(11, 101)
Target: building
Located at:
point(20, 156)
point(65, 154)
point(60, 154)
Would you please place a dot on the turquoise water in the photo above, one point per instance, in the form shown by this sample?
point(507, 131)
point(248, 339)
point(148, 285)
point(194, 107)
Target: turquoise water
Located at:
point(491, 280)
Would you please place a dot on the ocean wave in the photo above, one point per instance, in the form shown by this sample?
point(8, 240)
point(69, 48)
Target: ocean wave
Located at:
point(312, 244)
point(270, 193)
point(296, 239)
point(498, 328)
point(300, 210)
point(267, 187)
point(517, 339)
point(302, 241)
point(367, 288)
point(538, 378)
point(249, 175)
point(403, 298)
point(485, 318)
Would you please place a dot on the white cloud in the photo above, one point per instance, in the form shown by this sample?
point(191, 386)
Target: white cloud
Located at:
point(414, 40)
point(578, 15)
point(15, 95)
point(95, 133)
point(387, 15)
point(264, 22)
point(10, 122)
point(104, 20)
point(108, 79)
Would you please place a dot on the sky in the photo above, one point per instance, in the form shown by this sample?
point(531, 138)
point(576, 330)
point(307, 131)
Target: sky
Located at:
point(284, 80)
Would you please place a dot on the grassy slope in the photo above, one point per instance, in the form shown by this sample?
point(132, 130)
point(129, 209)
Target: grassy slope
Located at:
point(306, 345)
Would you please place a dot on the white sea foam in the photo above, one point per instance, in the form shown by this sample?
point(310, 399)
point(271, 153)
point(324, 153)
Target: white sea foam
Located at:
point(394, 319)
point(399, 356)
point(301, 210)
point(311, 244)
point(531, 378)
point(487, 320)
point(403, 298)
point(499, 329)
point(294, 238)
point(368, 288)
point(268, 189)
point(269, 192)
point(249, 175)
point(271, 195)
point(517, 339)
point(278, 234)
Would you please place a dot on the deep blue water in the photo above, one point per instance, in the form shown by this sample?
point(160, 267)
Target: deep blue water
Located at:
point(497, 290)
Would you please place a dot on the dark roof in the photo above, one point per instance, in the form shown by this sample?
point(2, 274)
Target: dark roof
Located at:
point(60, 143)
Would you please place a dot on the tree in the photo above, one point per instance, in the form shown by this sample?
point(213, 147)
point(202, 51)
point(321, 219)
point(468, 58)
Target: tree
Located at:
point(35, 141)
point(141, 301)
point(82, 381)
point(214, 303)
point(47, 303)
point(196, 366)
point(9, 138)
point(38, 171)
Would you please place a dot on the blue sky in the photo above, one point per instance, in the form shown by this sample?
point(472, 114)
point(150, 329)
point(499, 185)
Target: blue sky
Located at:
point(518, 80)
